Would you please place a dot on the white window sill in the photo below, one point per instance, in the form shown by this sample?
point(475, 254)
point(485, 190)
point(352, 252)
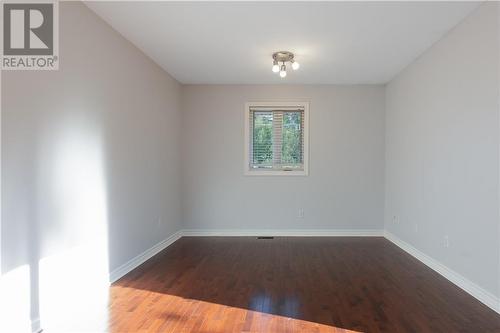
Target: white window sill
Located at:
point(275, 173)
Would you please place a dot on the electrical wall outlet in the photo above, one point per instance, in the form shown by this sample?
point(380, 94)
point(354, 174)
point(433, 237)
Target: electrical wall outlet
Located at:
point(301, 213)
point(416, 227)
point(446, 241)
point(395, 219)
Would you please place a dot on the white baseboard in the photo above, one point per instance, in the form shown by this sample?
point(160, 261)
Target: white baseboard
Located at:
point(286, 232)
point(470, 287)
point(143, 257)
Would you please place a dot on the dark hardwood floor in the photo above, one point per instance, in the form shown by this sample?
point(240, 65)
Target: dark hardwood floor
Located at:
point(291, 284)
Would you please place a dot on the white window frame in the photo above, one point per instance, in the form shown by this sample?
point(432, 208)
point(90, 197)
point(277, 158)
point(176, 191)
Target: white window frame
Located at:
point(288, 104)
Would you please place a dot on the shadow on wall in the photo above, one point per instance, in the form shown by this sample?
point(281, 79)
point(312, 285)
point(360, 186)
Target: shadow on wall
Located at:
point(64, 284)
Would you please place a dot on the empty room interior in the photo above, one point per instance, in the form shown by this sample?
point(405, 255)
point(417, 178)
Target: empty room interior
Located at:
point(264, 166)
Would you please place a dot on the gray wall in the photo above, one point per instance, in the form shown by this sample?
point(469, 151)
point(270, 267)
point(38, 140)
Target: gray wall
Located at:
point(344, 189)
point(442, 151)
point(90, 156)
point(92, 153)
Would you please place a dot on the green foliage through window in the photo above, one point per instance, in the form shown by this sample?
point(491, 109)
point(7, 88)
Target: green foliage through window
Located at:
point(267, 127)
point(291, 151)
point(263, 138)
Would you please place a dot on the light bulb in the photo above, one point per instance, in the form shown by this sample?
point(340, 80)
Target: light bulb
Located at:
point(283, 70)
point(276, 68)
point(295, 65)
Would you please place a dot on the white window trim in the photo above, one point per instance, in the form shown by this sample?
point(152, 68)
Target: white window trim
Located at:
point(291, 104)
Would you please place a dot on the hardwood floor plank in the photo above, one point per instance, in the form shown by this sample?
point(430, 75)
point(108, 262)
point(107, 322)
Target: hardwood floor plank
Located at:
point(291, 284)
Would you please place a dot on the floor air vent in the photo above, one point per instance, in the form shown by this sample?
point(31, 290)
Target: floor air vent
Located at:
point(265, 237)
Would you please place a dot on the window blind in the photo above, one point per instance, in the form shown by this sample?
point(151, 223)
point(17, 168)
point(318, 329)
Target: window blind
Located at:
point(276, 138)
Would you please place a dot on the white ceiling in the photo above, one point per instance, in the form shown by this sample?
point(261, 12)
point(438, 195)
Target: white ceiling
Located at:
point(232, 42)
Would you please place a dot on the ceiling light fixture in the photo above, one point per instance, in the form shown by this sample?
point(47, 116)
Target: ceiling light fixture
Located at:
point(283, 57)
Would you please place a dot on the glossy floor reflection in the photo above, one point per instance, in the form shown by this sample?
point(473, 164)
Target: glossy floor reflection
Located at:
point(241, 284)
point(166, 313)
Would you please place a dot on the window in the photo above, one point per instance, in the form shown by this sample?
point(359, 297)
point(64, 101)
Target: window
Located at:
point(276, 139)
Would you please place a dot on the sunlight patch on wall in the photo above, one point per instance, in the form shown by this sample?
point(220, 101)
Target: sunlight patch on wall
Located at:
point(15, 300)
point(73, 271)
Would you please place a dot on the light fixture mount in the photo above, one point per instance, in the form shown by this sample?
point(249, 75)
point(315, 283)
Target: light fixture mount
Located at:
point(283, 57)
